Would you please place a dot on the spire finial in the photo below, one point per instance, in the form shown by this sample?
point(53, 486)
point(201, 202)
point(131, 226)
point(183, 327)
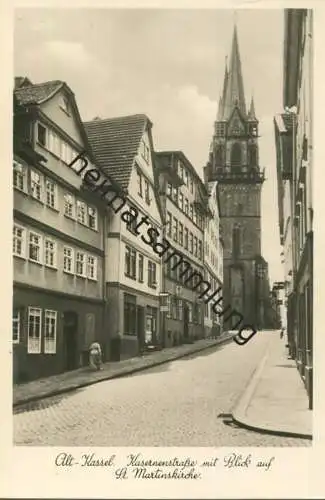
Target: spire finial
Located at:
point(235, 17)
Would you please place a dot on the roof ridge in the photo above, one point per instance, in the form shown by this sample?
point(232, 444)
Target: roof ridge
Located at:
point(103, 120)
point(40, 84)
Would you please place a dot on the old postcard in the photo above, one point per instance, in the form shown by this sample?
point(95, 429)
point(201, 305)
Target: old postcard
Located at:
point(163, 198)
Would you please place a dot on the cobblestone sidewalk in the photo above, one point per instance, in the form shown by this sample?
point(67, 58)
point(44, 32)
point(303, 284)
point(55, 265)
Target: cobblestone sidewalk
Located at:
point(64, 382)
point(275, 400)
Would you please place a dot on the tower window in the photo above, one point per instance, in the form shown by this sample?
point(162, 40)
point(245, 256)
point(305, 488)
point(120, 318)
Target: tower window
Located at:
point(219, 156)
point(253, 155)
point(236, 155)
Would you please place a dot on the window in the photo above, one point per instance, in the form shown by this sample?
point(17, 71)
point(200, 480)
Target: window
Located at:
point(186, 177)
point(91, 267)
point(195, 246)
point(152, 272)
point(191, 211)
point(50, 331)
point(34, 330)
point(19, 176)
point(41, 134)
point(80, 264)
point(92, 218)
point(235, 157)
point(169, 189)
point(181, 201)
point(68, 257)
point(139, 181)
point(200, 250)
point(35, 247)
point(145, 152)
point(130, 315)
point(35, 185)
point(130, 262)
point(180, 309)
point(147, 191)
point(186, 239)
point(69, 206)
point(191, 184)
point(132, 224)
point(169, 224)
point(81, 212)
point(141, 268)
point(180, 234)
point(19, 241)
point(186, 206)
point(50, 253)
point(15, 326)
point(175, 195)
point(51, 194)
point(175, 229)
point(191, 242)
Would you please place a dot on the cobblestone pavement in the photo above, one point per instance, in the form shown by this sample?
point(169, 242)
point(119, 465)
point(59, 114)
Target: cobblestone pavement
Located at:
point(175, 404)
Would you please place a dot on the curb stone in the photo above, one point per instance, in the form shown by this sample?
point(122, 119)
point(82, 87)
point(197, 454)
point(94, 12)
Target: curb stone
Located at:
point(128, 370)
point(239, 413)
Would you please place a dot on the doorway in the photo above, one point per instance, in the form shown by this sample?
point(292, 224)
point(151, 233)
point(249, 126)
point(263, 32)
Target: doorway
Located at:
point(70, 340)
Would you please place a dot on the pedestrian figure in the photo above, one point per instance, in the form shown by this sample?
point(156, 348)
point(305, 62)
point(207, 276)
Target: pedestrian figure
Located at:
point(281, 333)
point(95, 356)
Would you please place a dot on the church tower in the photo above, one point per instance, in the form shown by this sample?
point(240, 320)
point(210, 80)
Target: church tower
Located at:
point(234, 163)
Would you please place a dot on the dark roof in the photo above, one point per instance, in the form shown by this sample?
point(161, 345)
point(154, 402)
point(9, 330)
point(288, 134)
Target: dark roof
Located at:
point(115, 143)
point(37, 93)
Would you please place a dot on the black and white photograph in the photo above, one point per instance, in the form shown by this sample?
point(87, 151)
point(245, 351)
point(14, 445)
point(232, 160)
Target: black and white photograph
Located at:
point(162, 228)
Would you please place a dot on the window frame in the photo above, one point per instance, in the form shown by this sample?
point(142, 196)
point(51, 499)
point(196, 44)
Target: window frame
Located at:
point(94, 217)
point(72, 271)
point(69, 198)
point(23, 241)
point(84, 261)
point(47, 350)
point(54, 193)
point(39, 185)
point(94, 267)
point(50, 240)
point(16, 320)
point(33, 233)
point(29, 349)
point(19, 170)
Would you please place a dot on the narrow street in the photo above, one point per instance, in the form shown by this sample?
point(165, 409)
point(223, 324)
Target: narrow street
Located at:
point(174, 404)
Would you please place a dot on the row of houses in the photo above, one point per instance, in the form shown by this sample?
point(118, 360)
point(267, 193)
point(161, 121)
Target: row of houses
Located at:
point(294, 146)
point(81, 271)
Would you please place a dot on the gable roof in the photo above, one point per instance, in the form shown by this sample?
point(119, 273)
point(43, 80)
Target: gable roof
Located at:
point(115, 143)
point(36, 93)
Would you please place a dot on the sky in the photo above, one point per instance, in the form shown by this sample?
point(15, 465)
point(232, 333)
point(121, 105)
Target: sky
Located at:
point(168, 64)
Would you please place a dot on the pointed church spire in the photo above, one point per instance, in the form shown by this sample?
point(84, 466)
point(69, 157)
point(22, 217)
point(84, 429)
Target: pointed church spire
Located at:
point(251, 113)
point(235, 86)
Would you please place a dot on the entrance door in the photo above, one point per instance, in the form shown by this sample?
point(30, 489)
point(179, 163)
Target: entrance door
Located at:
point(70, 338)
